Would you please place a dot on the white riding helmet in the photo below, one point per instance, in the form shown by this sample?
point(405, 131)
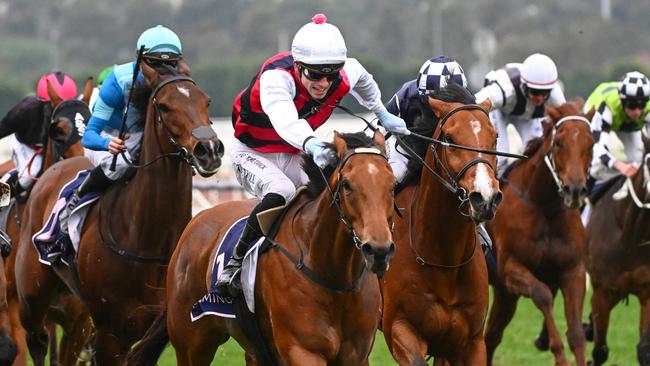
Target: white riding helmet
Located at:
point(539, 72)
point(319, 43)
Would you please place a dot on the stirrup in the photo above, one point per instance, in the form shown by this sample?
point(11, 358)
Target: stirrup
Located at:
point(229, 280)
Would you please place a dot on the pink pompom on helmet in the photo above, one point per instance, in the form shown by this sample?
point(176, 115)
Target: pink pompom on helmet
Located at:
point(64, 86)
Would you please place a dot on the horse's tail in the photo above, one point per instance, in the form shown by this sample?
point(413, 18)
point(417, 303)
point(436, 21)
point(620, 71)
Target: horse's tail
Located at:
point(152, 344)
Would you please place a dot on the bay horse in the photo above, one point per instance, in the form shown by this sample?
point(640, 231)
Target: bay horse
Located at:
point(64, 141)
point(435, 298)
point(537, 233)
point(129, 234)
point(618, 258)
point(320, 309)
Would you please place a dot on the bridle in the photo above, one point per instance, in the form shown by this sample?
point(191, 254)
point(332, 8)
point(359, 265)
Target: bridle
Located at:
point(200, 133)
point(549, 158)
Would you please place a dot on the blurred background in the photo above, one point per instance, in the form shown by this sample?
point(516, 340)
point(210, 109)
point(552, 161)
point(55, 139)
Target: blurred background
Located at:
point(225, 41)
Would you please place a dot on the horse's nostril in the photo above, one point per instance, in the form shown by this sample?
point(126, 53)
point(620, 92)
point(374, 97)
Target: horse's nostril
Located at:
point(200, 150)
point(476, 199)
point(583, 191)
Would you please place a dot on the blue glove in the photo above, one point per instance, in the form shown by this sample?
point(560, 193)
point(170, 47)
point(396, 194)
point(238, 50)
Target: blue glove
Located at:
point(321, 154)
point(391, 122)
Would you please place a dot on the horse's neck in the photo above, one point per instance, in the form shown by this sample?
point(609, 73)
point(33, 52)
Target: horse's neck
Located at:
point(48, 160)
point(159, 195)
point(535, 180)
point(329, 248)
point(437, 230)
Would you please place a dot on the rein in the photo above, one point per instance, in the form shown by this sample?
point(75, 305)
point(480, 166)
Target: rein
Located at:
point(298, 262)
point(630, 185)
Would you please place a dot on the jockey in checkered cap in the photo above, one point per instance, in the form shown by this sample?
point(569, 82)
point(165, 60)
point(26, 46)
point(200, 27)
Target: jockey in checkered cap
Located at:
point(621, 107)
point(434, 74)
point(519, 92)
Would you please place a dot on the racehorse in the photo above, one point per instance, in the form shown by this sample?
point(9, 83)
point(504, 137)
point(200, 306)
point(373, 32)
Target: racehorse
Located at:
point(64, 141)
point(537, 232)
point(618, 259)
point(314, 302)
point(129, 234)
point(436, 294)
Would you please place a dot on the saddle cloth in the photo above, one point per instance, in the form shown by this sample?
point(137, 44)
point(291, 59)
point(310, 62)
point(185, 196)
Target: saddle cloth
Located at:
point(215, 302)
point(50, 243)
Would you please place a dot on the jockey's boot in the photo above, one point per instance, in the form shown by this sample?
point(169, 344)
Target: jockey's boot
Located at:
point(96, 181)
point(230, 279)
point(486, 245)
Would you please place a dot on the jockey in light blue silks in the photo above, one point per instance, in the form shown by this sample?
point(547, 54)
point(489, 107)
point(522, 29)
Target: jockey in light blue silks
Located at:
point(101, 138)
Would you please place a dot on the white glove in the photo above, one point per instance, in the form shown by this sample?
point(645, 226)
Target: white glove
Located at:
point(321, 154)
point(391, 122)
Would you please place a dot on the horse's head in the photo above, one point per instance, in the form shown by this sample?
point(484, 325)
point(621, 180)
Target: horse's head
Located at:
point(364, 185)
point(68, 123)
point(568, 144)
point(470, 173)
point(181, 113)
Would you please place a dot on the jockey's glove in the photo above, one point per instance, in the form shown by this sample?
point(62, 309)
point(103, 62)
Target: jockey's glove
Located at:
point(321, 154)
point(391, 122)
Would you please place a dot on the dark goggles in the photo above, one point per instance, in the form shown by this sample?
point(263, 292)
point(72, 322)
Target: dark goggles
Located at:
point(539, 92)
point(635, 103)
point(317, 72)
point(156, 59)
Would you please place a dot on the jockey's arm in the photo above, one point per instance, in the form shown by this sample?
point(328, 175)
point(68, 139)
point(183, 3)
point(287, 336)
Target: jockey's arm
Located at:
point(277, 90)
point(498, 89)
point(363, 87)
point(110, 97)
point(557, 97)
point(601, 125)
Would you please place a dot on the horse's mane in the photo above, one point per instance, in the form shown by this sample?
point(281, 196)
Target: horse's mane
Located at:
point(142, 91)
point(534, 144)
point(316, 182)
point(426, 124)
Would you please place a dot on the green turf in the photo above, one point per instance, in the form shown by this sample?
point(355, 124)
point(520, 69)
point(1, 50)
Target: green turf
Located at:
point(517, 346)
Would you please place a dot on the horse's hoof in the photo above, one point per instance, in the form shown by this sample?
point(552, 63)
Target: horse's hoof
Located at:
point(541, 343)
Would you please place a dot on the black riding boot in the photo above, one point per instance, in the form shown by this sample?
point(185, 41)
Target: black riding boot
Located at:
point(486, 245)
point(96, 181)
point(229, 280)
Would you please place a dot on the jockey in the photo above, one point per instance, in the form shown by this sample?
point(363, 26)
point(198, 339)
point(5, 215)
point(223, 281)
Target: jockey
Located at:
point(434, 75)
point(621, 107)
point(28, 121)
point(518, 93)
point(101, 139)
point(274, 118)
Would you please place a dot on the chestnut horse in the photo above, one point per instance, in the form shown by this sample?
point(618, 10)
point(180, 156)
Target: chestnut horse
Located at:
point(314, 303)
point(130, 233)
point(64, 141)
point(618, 256)
point(537, 232)
point(436, 294)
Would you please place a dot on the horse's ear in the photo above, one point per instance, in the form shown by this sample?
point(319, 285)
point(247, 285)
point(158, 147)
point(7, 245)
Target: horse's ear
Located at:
point(486, 105)
point(341, 145)
point(554, 114)
point(439, 107)
point(55, 99)
point(184, 68)
point(88, 91)
point(591, 113)
point(150, 75)
point(380, 141)
point(579, 102)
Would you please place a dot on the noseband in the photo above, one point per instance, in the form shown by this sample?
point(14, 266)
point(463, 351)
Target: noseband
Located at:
point(549, 158)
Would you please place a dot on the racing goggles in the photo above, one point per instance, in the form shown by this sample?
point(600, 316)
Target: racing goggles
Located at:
point(635, 103)
point(317, 72)
point(539, 92)
point(157, 59)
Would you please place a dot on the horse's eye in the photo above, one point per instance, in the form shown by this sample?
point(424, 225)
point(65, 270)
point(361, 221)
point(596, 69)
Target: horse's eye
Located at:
point(209, 101)
point(449, 138)
point(346, 185)
point(163, 108)
point(558, 144)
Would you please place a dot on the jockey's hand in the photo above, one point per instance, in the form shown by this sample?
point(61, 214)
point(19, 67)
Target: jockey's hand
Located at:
point(116, 145)
point(321, 154)
point(626, 169)
point(391, 122)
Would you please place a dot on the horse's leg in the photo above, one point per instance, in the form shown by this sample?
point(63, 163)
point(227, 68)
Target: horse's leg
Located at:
point(473, 354)
point(573, 289)
point(407, 347)
point(77, 328)
point(109, 349)
point(18, 333)
point(643, 348)
point(541, 342)
point(602, 302)
point(520, 281)
point(501, 313)
point(54, 350)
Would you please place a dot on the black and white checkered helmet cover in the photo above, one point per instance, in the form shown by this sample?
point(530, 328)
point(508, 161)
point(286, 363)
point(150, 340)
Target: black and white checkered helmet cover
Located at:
point(437, 72)
point(634, 85)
